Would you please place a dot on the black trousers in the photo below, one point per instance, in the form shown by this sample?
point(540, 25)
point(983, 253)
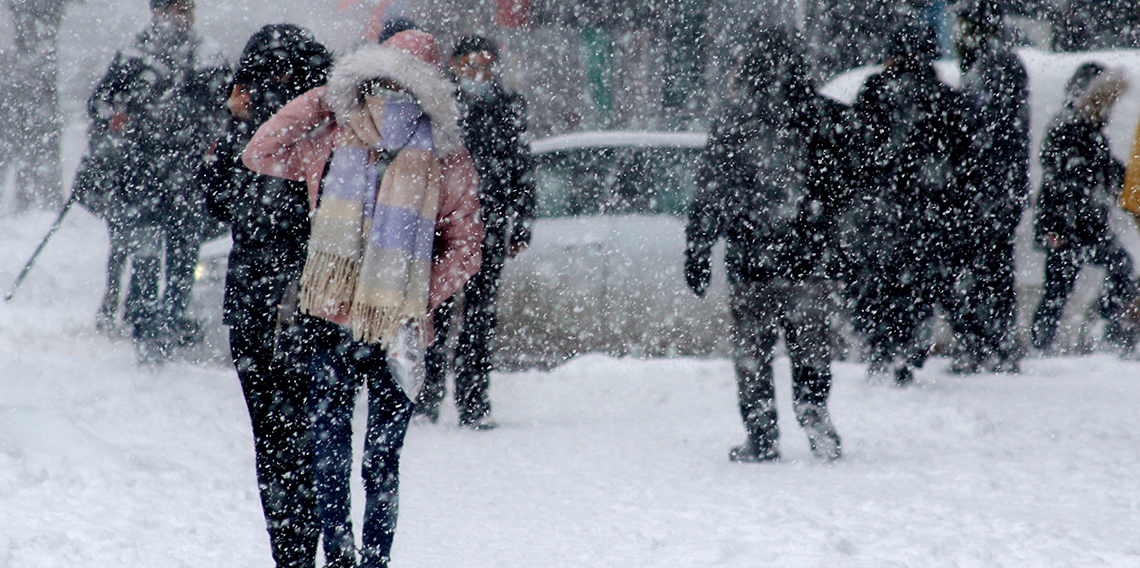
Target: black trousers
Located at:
point(276, 394)
point(476, 339)
point(147, 309)
point(991, 301)
point(1062, 266)
point(760, 310)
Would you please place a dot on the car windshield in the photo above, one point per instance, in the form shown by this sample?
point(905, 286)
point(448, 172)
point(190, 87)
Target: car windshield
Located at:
point(615, 181)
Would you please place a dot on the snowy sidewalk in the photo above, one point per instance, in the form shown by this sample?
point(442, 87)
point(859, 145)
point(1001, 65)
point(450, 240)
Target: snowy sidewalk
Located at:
point(599, 463)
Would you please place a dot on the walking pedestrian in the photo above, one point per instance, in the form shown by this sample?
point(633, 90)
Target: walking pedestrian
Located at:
point(493, 119)
point(386, 128)
point(768, 184)
point(269, 223)
point(1079, 177)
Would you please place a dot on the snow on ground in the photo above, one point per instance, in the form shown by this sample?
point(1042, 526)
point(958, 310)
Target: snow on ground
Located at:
point(598, 463)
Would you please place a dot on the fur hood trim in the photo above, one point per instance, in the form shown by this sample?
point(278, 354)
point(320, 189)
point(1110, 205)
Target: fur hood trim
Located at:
point(431, 89)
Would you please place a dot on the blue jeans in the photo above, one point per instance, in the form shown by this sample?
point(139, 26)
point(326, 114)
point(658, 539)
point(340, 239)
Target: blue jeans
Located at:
point(339, 366)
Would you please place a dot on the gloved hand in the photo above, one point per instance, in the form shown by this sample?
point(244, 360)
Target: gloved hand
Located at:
point(698, 272)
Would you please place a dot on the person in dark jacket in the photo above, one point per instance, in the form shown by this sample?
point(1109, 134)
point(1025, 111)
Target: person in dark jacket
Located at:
point(164, 96)
point(912, 207)
point(1079, 176)
point(494, 120)
point(770, 183)
point(997, 87)
point(269, 222)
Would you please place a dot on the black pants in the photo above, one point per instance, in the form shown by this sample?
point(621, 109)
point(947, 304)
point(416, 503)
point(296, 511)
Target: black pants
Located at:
point(991, 301)
point(760, 310)
point(476, 339)
point(147, 309)
point(1062, 266)
point(276, 393)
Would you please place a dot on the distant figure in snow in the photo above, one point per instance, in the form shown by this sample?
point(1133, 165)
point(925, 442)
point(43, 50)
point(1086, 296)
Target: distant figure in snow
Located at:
point(160, 105)
point(493, 119)
point(269, 221)
point(770, 183)
point(1080, 177)
point(912, 210)
point(996, 86)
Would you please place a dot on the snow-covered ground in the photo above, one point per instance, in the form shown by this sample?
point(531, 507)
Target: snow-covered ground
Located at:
point(598, 463)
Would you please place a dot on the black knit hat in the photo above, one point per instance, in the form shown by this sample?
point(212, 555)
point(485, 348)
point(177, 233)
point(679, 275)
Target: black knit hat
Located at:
point(278, 50)
point(166, 4)
point(474, 44)
point(913, 42)
point(1081, 80)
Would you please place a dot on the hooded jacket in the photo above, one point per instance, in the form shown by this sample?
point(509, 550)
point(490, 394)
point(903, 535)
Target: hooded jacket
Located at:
point(297, 142)
point(268, 216)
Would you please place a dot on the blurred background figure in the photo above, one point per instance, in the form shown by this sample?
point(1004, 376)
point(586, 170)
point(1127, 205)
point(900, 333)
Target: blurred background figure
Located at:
point(768, 186)
point(912, 205)
point(163, 98)
point(269, 222)
point(996, 86)
point(1080, 177)
point(494, 121)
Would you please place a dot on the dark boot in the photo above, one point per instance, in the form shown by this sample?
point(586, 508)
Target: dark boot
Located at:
point(763, 436)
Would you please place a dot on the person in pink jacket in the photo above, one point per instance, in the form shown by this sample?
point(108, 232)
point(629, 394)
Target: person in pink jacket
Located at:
point(396, 231)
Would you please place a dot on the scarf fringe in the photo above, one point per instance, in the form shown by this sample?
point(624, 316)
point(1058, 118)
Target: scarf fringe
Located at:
point(327, 281)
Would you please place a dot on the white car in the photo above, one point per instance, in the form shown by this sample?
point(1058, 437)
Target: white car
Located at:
point(605, 270)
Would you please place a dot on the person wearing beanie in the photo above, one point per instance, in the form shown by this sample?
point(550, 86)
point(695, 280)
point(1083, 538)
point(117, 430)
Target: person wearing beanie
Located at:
point(996, 85)
point(380, 151)
point(1078, 175)
point(494, 121)
point(161, 104)
point(269, 222)
point(911, 206)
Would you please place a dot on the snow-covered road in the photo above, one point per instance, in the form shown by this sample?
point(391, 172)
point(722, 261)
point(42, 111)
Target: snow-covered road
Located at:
point(599, 463)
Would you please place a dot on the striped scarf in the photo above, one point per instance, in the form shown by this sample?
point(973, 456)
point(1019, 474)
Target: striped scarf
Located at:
point(370, 252)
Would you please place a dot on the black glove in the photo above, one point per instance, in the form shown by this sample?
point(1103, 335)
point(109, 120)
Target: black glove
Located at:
point(698, 272)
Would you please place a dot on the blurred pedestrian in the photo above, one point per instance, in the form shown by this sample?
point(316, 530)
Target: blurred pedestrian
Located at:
point(911, 206)
point(382, 155)
point(768, 184)
point(269, 222)
point(493, 119)
point(163, 98)
point(1079, 177)
point(996, 86)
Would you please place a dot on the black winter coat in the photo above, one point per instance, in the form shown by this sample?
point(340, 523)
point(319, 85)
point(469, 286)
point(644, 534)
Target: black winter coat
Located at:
point(175, 100)
point(771, 187)
point(913, 204)
point(997, 88)
point(269, 221)
point(1079, 175)
point(493, 128)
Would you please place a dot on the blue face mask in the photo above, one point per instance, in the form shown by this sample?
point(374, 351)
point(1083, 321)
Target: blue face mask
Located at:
point(478, 89)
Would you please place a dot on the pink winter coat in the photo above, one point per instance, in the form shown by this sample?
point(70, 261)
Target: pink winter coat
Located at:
point(297, 142)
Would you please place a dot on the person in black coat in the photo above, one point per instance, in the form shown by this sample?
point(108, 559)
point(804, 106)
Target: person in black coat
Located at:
point(163, 98)
point(912, 209)
point(494, 120)
point(996, 85)
point(1079, 176)
point(269, 222)
point(770, 183)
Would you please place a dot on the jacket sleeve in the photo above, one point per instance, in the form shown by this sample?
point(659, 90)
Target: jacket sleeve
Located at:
point(458, 230)
point(294, 143)
point(707, 209)
point(1053, 203)
point(217, 176)
point(522, 174)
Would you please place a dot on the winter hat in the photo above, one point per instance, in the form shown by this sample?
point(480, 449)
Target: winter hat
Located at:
point(1080, 81)
point(283, 49)
point(395, 26)
point(411, 59)
point(777, 57)
point(166, 4)
point(984, 15)
point(474, 44)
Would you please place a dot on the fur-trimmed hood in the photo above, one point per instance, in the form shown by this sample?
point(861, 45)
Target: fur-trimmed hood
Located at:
point(406, 59)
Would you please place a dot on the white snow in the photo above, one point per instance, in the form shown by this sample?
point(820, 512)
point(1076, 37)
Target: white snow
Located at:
point(601, 462)
point(619, 139)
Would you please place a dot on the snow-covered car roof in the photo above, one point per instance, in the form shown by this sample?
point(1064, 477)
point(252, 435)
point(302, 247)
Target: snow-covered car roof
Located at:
point(619, 139)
